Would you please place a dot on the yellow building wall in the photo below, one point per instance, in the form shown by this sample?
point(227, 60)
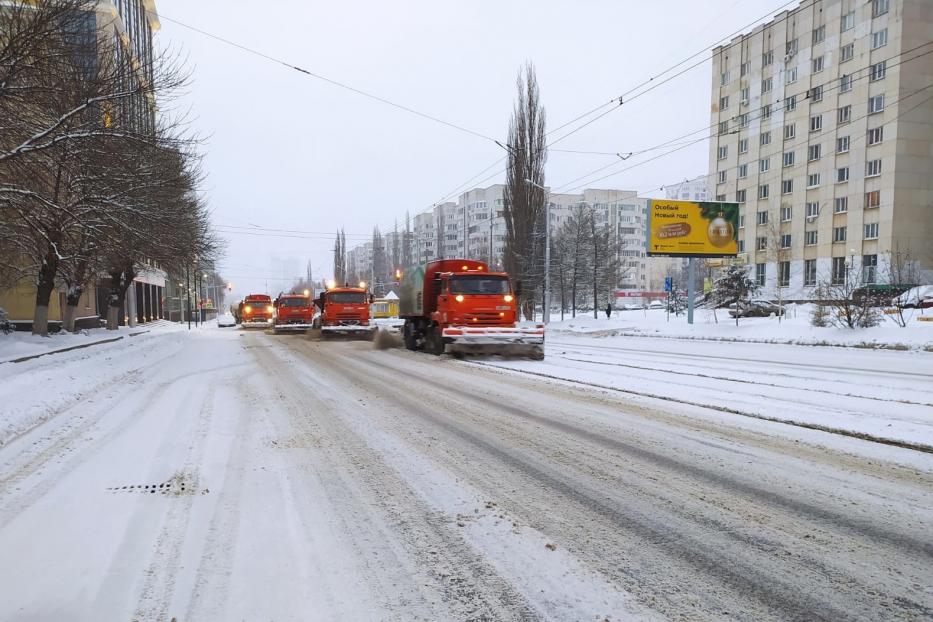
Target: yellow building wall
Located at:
point(20, 303)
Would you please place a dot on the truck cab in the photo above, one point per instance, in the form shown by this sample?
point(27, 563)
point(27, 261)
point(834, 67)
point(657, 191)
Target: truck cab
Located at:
point(293, 312)
point(257, 311)
point(345, 311)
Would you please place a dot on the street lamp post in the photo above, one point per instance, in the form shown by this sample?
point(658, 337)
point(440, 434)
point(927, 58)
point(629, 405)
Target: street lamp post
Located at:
point(546, 311)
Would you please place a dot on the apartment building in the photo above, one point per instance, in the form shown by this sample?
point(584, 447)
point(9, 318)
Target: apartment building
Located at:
point(696, 189)
point(424, 241)
point(824, 120)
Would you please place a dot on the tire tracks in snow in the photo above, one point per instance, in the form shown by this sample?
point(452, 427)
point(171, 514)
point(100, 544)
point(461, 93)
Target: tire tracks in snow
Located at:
point(701, 552)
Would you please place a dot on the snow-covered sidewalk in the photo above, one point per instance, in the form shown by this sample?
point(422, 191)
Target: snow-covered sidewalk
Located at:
point(794, 329)
point(21, 345)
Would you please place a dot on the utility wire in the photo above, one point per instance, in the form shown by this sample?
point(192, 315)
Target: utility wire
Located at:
point(324, 78)
point(760, 112)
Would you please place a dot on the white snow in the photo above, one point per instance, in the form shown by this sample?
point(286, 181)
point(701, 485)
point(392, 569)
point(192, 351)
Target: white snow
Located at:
point(795, 328)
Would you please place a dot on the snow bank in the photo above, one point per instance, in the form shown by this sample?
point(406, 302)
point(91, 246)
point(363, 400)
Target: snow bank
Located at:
point(795, 328)
point(17, 345)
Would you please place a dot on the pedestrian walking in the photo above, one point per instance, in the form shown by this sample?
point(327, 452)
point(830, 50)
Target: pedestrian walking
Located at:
point(608, 310)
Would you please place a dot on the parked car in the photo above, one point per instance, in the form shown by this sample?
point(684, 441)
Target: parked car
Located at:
point(657, 304)
point(226, 320)
point(920, 297)
point(756, 308)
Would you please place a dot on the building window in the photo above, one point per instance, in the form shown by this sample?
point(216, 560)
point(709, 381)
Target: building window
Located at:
point(741, 246)
point(783, 273)
point(839, 270)
point(786, 212)
point(788, 158)
point(869, 268)
point(879, 39)
point(878, 71)
point(845, 84)
point(790, 76)
point(740, 196)
point(844, 115)
point(809, 272)
point(790, 48)
point(875, 135)
point(847, 52)
point(816, 93)
point(763, 191)
point(814, 152)
point(723, 127)
point(872, 199)
point(879, 7)
point(760, 274)
point(819, 34)
point(724, 78)
point(848, 21)
point(842, 174)
point(871, 231)
point(743, 145)
point(743, 120)
point(766, 85)
point(743, 171)
point(723, 152)
point(790, 130)
point(813, 209)
point(785, 240)
point(816, 123)
point(764, 165)
point(761, 243)
point(872, 168)
point(810, 238)
point(763, 217)
point(724, 102)
point(767, 58)
point(741, 221)
point(766, 111)
point(790, 104)
point(817, 64)
point(842, 144)
point(839, 234)
point(722, 177)
point(745, 68)
point(787, 186)
point(841, 205)
point(743, 96)
point(765, 138)
point(875, 104)
point(813, 180)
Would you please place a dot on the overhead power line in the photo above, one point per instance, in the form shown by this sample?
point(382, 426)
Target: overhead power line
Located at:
point(324, 78)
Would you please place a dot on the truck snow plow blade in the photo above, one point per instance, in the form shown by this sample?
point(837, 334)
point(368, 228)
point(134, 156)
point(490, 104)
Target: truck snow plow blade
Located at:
point(259, 324)
point(284, 328)
point(350, 330)
point(518, 341)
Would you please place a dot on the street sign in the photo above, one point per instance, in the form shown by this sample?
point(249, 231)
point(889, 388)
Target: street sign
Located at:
point(668, 283)
point(692, 229)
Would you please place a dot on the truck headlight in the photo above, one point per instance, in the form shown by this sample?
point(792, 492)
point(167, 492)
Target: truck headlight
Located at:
point(459, 298)
point(270, 308)
point(508, 298)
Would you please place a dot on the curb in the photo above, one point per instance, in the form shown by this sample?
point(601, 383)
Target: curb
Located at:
point(81, 346)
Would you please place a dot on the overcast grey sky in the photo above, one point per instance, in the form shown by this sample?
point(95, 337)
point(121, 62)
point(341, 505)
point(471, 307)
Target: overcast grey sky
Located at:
point(287, 151)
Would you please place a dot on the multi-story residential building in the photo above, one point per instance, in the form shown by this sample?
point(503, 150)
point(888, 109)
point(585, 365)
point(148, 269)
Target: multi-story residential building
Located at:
point(824, 122)
point(424, 242)
point(696, 189)
point(449, 224)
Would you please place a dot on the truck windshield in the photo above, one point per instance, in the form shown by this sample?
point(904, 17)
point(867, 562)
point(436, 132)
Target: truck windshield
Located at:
point(347, 298)
point(295, 302)
point(479, 284)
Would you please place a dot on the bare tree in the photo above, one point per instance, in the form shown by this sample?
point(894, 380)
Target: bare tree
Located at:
point(779, 252)
point(902, 274)
point(604, 253)
point(525, 196)
point(850, 306)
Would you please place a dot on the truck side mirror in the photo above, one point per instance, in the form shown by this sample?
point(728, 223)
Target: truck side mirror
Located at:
point(518, 288)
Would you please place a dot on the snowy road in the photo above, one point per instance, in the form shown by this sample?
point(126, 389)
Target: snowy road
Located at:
point(298, 480)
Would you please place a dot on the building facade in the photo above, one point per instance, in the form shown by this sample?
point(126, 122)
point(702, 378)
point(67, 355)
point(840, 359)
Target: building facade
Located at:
point(696, 189)
point(824, 126)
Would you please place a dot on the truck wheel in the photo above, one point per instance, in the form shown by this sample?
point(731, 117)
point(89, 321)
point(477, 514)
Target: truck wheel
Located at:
point(434, 342)
point(408, 335)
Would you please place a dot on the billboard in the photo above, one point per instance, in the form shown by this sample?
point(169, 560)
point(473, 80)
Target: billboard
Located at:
point(692, 228)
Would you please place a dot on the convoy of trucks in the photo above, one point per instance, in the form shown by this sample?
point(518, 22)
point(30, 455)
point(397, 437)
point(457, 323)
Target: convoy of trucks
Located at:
point(449, 305)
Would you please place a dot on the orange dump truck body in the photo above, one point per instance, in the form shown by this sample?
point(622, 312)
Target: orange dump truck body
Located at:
point(345, 310)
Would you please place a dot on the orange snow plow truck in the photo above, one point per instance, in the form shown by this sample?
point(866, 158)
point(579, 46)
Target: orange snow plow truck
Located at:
point(293, 313)
point(459, 306)
point(345, 311)
point(256, 311)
